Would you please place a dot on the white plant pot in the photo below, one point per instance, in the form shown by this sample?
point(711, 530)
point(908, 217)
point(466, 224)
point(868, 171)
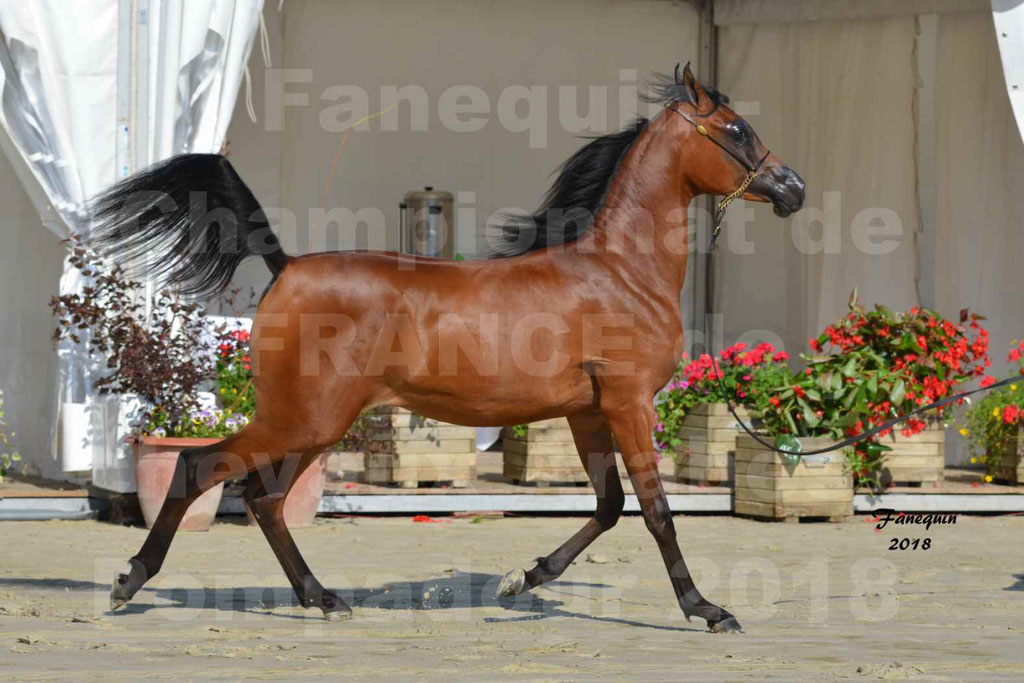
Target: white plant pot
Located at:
point(113, 467)
point(76, 437)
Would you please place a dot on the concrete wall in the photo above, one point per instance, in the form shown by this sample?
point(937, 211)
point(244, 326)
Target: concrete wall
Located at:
point(334, 53)
point(30, 267)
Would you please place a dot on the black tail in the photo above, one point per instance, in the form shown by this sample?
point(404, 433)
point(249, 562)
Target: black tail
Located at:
point(187, 221)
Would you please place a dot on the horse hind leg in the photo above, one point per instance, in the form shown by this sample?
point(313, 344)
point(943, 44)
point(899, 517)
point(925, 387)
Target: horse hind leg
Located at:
point(198, 470)
point(597, 451)
point(265, 495)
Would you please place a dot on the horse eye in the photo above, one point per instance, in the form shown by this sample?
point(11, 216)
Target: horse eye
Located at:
point(739, 133)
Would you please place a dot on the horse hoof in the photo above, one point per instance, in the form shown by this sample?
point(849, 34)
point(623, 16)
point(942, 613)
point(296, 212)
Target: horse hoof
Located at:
point(118, 595)
point(512, 584)
point(727, 625)
point(338, 614)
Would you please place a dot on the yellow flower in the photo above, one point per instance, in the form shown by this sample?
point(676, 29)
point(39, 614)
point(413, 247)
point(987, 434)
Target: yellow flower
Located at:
point(964, 432)
point(224, 391)
point(1013, 387)
point(984, 458)
point(988, 478)
point(995, 412)
point(974, 460)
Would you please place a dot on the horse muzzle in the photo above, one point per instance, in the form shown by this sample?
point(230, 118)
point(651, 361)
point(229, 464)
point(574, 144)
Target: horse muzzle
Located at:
point(781, 186)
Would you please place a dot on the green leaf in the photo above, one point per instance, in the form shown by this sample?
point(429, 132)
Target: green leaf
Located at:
point(788, 442)
point(836, 382)
point(873, 383)
point(850, 369)
point(811, 418)
point(899, 390)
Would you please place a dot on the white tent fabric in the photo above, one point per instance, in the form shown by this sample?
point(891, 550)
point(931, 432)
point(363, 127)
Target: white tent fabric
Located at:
point(95, 90)
point(834, 104)
point(980, 158)
point(1008, 17)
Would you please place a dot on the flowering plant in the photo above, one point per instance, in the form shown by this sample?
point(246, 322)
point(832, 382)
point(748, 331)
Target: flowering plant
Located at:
point(153, 351)
point(992, 423)
point(233, 368)
point(200, 424)
point(932, 355)
point(748, 376)
point(879, 365)
point(8, 456)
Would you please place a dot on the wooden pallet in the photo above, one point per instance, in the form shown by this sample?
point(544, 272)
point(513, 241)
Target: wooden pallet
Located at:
point(709, 439)
point(418, 451)
point(917, 459)
point(767, 487)
point(545, 455)
point(1011, 467)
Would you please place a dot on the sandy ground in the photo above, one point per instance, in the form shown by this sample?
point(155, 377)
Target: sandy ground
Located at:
point(818, 601)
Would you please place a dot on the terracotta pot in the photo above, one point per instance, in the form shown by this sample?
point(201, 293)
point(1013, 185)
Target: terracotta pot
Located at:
point(155, 460)
point(304, 499)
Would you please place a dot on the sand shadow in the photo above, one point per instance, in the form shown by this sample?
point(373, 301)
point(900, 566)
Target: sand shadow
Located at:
point(454, 590)
point(1019, 586)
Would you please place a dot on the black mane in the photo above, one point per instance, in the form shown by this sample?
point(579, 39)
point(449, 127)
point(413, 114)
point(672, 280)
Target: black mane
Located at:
point(579, 190)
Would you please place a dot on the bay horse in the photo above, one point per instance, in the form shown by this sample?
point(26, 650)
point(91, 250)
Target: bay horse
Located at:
point(585, 324)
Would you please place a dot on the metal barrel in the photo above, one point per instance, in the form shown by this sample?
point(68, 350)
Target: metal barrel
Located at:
point(426, 223)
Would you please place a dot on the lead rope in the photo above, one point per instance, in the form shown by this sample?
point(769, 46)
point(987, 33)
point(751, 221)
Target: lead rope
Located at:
point(889, 424)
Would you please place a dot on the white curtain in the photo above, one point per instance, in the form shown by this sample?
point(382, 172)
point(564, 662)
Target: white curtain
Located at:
point(1008, 17)
point(980, 160)
point(832, 101)
point(94, 90)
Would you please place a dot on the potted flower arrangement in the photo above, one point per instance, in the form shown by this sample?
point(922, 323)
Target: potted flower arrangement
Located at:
point(156, 353)
point(8, 455)
point(930, 358)
point(694, 423)
point(993, 426)
point(833, 397)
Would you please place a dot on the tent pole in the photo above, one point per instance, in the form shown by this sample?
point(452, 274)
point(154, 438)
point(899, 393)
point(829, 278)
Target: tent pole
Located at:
point(925, 187)
point(704, 278)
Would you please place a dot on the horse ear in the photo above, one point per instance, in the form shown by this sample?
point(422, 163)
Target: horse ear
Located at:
point(692, 86)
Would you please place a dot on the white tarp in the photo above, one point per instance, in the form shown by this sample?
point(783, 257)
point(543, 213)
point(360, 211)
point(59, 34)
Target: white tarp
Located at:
point(93, 90)
point(1008, 17)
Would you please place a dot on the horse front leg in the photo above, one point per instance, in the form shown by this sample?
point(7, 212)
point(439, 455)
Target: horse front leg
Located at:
point(597, 452)
point(633, 428)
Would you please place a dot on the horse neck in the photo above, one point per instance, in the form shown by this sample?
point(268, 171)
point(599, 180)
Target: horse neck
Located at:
point(642, 225)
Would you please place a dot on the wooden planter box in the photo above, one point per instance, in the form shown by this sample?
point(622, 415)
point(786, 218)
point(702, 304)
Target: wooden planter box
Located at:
point(709, 434)
point(545, 455)
point(1011, 467)
point(768, 487)
point(418, 450)
point(915, 459)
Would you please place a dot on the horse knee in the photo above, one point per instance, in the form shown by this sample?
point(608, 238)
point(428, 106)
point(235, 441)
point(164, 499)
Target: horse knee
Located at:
point(609, 509)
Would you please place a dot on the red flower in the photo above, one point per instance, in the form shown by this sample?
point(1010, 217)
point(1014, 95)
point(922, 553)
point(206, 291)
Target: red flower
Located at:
point(780, 357)
point(774, 400)
point(988, 381)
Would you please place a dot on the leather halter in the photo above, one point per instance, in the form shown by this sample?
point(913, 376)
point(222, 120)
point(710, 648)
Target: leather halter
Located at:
point(752, 172)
